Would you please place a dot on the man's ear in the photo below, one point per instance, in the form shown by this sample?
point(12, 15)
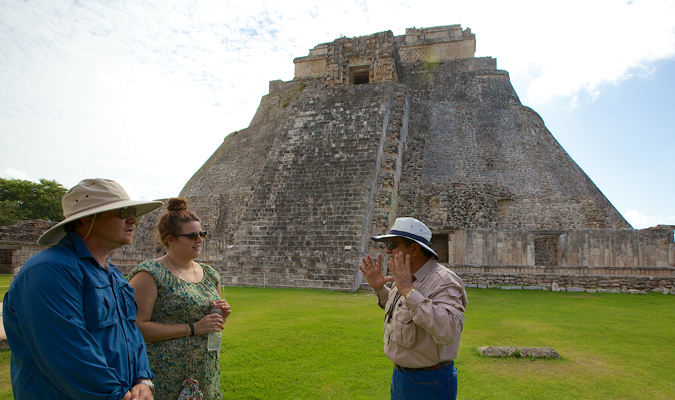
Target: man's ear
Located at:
point(86, 221)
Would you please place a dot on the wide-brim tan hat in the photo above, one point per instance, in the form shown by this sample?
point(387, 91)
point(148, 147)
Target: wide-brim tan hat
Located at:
point(412, 229)
point(93, 196)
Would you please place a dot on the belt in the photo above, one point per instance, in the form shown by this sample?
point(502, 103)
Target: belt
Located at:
point(441, 364)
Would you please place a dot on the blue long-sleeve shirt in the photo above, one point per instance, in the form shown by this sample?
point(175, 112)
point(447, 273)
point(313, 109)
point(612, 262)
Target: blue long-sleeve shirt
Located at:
point(70, 324)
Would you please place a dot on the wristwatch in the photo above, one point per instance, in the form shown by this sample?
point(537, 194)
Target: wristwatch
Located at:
point(145, 382)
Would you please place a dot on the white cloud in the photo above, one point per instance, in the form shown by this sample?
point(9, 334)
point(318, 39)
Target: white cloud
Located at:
point(10, 173)
point(144, 92)
point(576, 46)
point(640, 221)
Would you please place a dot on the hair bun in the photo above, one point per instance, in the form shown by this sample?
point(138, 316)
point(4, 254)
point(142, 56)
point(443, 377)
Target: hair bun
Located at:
point(177, 204)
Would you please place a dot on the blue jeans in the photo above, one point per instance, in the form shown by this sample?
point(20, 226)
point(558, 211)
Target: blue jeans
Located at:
point(434, 384)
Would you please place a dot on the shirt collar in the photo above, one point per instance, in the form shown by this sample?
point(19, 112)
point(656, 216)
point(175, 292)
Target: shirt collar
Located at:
point(74, 242)
point(422, 272)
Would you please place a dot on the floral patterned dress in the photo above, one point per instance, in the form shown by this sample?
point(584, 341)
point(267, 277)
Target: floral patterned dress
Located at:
point(181, 302)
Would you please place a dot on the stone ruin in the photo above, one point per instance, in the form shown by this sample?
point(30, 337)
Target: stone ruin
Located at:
point(19, 242)
point(380, 126)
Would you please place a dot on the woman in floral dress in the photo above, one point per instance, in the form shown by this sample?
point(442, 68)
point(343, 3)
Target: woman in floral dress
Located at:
point(176, 297)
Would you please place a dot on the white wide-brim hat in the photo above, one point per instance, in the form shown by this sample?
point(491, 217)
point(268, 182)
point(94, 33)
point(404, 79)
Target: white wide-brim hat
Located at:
point(93, 196)
point(412, 229)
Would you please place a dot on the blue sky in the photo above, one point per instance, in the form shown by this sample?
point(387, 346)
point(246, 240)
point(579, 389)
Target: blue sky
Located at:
point(625, 141)
point(144, 92)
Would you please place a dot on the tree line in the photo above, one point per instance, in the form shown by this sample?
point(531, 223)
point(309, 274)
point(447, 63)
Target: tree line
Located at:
point(21, 200)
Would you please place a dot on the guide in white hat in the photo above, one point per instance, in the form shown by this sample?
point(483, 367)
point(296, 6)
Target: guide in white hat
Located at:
point(424, 312)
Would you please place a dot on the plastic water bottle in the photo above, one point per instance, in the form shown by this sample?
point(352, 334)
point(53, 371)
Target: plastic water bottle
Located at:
point(215, 338)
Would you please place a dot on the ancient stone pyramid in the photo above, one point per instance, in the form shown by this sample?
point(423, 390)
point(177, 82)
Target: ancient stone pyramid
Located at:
point(376, 127)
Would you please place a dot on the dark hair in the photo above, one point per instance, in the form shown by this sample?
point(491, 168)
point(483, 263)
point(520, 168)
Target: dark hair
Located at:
point(176, 215)
point(425, 252)
point(72, 226)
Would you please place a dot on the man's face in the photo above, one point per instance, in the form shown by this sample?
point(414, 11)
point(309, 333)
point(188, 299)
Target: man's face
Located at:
point(112, 229)
point(397, 245)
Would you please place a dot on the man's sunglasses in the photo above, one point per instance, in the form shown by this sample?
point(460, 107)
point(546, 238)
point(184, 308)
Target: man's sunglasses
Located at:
point(125, 212)
point(392, 245)
point(193, 235)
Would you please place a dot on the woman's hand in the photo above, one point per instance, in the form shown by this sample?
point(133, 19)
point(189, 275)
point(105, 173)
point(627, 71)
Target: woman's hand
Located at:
point(210, 323)
point(223, 306)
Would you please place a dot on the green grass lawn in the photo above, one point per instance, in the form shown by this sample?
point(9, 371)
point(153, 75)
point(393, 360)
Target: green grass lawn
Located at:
point(311, 344)
point(4, 284)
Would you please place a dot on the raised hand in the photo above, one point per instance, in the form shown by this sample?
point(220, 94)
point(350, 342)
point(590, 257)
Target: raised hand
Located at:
point(400, 270)
point(373, 273)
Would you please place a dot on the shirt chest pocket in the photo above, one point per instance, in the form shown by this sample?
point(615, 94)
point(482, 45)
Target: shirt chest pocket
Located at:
point(129, 304)
point(403, 329)
point(99, 307)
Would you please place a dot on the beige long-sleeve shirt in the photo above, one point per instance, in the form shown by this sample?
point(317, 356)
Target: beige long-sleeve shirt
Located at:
point(427, 327)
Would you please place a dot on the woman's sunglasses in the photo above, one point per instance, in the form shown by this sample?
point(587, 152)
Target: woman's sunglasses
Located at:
point(193, 235)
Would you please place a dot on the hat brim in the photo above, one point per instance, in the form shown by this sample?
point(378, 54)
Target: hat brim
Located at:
point(55, 233)
point(389, 235)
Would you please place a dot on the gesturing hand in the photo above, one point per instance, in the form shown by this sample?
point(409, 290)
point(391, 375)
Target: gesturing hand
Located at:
point(400, 270)
point(373, 273)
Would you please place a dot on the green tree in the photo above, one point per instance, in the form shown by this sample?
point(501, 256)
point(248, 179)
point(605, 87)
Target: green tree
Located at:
point(21, 200)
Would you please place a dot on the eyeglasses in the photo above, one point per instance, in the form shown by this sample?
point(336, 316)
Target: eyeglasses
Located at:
point(392, 245)
point(127, 211)
point(193, 235)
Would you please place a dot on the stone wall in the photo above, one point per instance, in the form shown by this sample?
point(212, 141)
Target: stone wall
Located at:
point(606, 259)
point(651, 247)
point(546, 251)
point(383, 53)
point(489, 247)
point(375, 55)
point(469, 131)
point(557, 279)
point(384, 201)
point(612, 248)
point(5, 261)
point(438, 43)
point(490, 258)
point(19, 255)
point(19, 242)
point(305, 226)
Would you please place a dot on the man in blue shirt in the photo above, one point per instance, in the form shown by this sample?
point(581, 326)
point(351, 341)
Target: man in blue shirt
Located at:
point(69, 314)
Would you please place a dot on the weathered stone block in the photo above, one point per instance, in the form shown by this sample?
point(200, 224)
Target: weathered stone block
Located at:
point(511, 351)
